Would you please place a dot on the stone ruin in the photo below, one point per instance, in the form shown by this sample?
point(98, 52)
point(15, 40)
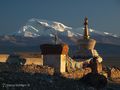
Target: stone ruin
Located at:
point(86, 56)
point(86, 46)
point(86, 59)
point(55, 55)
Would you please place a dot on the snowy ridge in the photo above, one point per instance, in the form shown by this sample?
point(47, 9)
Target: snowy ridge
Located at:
point(104, 33)
point(40, 31)
point(37, 27)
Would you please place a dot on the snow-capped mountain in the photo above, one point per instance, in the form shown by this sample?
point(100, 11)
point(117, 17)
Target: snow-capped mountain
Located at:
point(43, 28)
point(36, 27)
point(104, 33)
point(36, 32)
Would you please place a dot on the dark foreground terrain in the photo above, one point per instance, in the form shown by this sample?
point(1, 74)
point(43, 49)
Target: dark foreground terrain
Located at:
point(37, 81)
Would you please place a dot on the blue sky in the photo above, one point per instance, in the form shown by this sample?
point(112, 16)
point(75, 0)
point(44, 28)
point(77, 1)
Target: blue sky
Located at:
point(104, 15)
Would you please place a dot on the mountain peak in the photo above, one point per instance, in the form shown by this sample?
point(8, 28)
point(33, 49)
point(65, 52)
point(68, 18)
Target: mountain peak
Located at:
point(36, 27)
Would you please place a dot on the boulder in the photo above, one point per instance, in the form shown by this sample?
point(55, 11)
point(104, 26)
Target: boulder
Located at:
point(115, 72)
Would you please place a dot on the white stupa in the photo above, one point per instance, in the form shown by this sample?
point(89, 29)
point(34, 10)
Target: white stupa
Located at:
point(86, 46)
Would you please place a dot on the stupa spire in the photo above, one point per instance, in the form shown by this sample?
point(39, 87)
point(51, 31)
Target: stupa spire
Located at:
point(86, 32)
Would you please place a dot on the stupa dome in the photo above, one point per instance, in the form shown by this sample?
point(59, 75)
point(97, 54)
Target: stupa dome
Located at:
point(87, 44)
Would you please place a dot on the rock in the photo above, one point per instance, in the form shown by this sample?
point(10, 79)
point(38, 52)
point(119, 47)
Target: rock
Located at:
point(37, 69)
point(114, 73)
point(4, 67)
point(95, 80)
point(77, 74)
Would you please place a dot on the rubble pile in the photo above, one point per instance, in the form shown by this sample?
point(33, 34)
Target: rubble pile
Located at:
point(37, 69)
point(32, 68)
point(77, 74)
point(115, 72)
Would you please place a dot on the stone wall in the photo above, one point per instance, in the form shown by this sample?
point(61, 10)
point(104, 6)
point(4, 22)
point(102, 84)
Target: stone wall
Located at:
point(22, 60)
point(58, 62)
point(37, 61)
point(4, 57)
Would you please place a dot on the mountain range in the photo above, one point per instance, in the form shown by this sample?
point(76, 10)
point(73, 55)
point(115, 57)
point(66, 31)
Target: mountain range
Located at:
point(36, 32)
point(43, 28)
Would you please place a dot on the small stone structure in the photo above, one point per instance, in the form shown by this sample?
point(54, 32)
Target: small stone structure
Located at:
point(86, 46)
point(87, 53)
point(55, 55)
